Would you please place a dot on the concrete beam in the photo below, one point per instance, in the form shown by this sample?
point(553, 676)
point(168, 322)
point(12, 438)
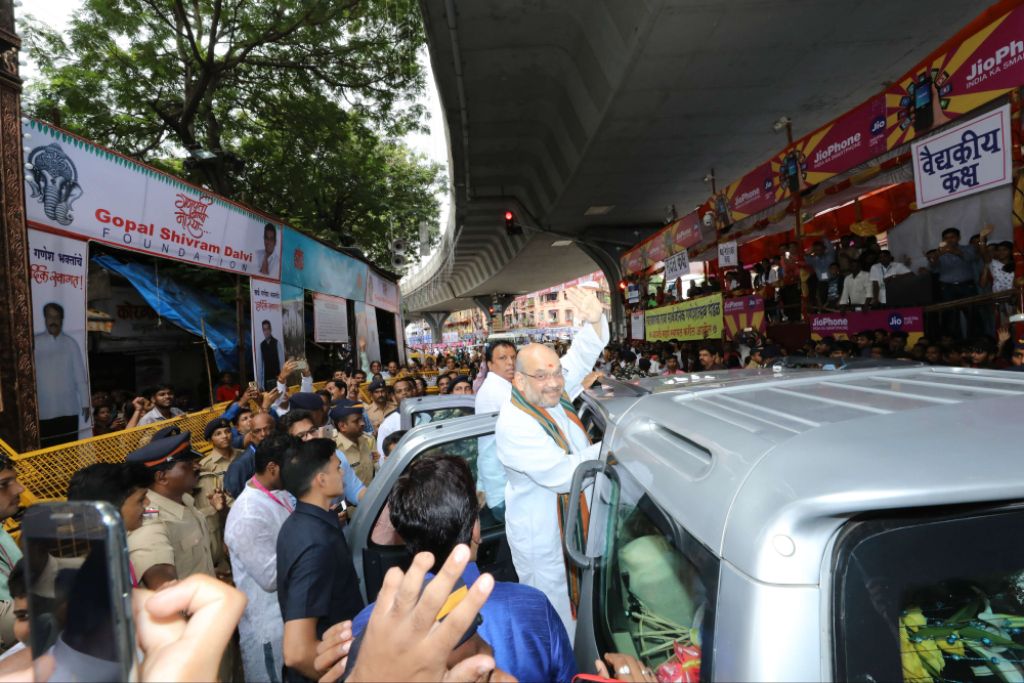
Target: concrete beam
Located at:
point(436, 320)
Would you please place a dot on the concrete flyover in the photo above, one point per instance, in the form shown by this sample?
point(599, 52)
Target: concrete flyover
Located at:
point(591, 119)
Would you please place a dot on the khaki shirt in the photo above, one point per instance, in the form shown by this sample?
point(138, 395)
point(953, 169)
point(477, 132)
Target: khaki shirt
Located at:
point(360, 455)
point(211, 478)
point(176, 535)
point(377, 414)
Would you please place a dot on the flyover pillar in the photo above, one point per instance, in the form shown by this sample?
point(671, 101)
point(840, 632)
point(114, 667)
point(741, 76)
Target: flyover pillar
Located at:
point(606, 257)
point(500, 302)
point(19, 417)
point(435, 320)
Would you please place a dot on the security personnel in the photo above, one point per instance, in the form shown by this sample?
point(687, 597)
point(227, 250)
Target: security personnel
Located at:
point(352, 441)
point(381, 406)
point(174, 541)
point(211, 483)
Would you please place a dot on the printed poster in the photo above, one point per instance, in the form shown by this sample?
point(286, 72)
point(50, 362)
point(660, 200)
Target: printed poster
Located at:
point(75, 186)
point(330, 319)
point(59, 270)
point(381, 293)
point(963, 160)
point(728, 255)
point(676, 266)
point(636, 325)
point(267, 331)
point(690, 320)
point(293, 321)
point(366, 331)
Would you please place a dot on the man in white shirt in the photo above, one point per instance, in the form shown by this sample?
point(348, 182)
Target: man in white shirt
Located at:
point(403, 388)
point(163, 406)
point(267, 257)
point(251, 537)
point(882, 271)
point(856, 287)
point(540, 442)
point(62, 386)
point(492, 395)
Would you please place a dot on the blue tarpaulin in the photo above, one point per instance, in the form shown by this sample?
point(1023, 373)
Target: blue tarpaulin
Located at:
point(184, 306)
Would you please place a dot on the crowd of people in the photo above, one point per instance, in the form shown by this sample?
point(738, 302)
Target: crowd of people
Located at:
point(855, 273)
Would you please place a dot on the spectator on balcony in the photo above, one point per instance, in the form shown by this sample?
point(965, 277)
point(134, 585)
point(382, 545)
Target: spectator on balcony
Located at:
point(883, 270)
point(957, 266)
point(857, 292)
point(982, 353)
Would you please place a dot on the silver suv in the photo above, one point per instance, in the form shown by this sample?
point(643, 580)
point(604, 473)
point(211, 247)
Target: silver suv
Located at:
point(791, 525)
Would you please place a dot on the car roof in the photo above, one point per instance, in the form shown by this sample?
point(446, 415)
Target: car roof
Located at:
point(757, 464)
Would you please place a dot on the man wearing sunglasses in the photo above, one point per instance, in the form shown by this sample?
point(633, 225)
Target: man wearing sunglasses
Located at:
point(540, 442)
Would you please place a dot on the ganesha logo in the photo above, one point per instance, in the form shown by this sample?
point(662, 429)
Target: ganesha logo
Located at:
point(53, 180)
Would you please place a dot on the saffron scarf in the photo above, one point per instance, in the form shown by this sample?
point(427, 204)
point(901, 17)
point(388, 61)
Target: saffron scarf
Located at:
point(572, 574)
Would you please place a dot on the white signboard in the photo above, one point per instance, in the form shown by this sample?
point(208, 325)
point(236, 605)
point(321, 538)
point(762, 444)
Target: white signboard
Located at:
point(677, 265)
point(636, 325)
point(77, 187)
point(381, 293)
point(964, 159)
point(267, 331)
point(728, 254)
point(330, 319)
point(58, 267)
point(633, 294)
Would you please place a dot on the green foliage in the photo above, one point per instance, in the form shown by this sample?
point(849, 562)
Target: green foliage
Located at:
point(302, 103)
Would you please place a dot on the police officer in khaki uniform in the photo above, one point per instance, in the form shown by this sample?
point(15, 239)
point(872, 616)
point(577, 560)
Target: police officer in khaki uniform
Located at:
point(211, 485)
point(352, 441)
point(174, 541)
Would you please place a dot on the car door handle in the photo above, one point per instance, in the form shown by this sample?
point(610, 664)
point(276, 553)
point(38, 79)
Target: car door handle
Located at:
point(586, 470)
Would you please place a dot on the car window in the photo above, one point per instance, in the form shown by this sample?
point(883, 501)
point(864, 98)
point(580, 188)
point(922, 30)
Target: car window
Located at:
point(931, 598)
point(591, 423)
point(436, 415)
point(466, 448)
point(657, 587)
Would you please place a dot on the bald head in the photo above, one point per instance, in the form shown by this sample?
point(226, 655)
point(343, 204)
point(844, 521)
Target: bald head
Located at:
point(262, 426)
point(537, 360)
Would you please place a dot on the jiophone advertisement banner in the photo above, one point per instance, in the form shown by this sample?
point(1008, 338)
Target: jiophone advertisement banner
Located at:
point(267, 329)
point(752, 193)
point(741, 313)
point(965, 159)
point(59, 270)
point(842, 325)
point(632, 262)
point(851, 140)
point(953, 82)
point(694, 319)
point(76, 187)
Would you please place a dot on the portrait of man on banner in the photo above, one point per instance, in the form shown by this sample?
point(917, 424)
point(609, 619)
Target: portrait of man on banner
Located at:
point(58, 269)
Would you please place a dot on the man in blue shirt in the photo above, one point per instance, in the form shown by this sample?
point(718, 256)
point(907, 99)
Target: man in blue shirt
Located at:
point(317, 584)
point(956, 269)
point(434, 507)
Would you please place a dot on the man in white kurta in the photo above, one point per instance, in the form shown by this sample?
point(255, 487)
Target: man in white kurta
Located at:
point(493, 394)
point(251, 537)
point(537, 468)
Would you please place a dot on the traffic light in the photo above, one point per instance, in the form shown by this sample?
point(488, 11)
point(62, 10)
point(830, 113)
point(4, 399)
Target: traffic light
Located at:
point(512, 226)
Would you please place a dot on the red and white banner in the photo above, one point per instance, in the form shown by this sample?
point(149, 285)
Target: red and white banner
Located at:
point(76, 187)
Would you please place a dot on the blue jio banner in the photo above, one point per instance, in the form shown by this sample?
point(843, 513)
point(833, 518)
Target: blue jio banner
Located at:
point(308, 264)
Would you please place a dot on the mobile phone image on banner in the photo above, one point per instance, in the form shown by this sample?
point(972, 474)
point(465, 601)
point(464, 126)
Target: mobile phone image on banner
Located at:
point(79, 592)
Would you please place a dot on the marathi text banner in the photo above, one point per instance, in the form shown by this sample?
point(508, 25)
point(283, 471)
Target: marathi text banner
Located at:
point(694, 319)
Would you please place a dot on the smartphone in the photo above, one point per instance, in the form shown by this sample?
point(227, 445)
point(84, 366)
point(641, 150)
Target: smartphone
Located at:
point(327, 431)
point(923, 117)
point(301, 364)
point(253, 386)
point(79, 592)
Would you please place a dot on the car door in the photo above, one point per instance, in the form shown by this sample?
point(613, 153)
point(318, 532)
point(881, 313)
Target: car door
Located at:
point(375, 548)
point(647, 584)
point(423, 409)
